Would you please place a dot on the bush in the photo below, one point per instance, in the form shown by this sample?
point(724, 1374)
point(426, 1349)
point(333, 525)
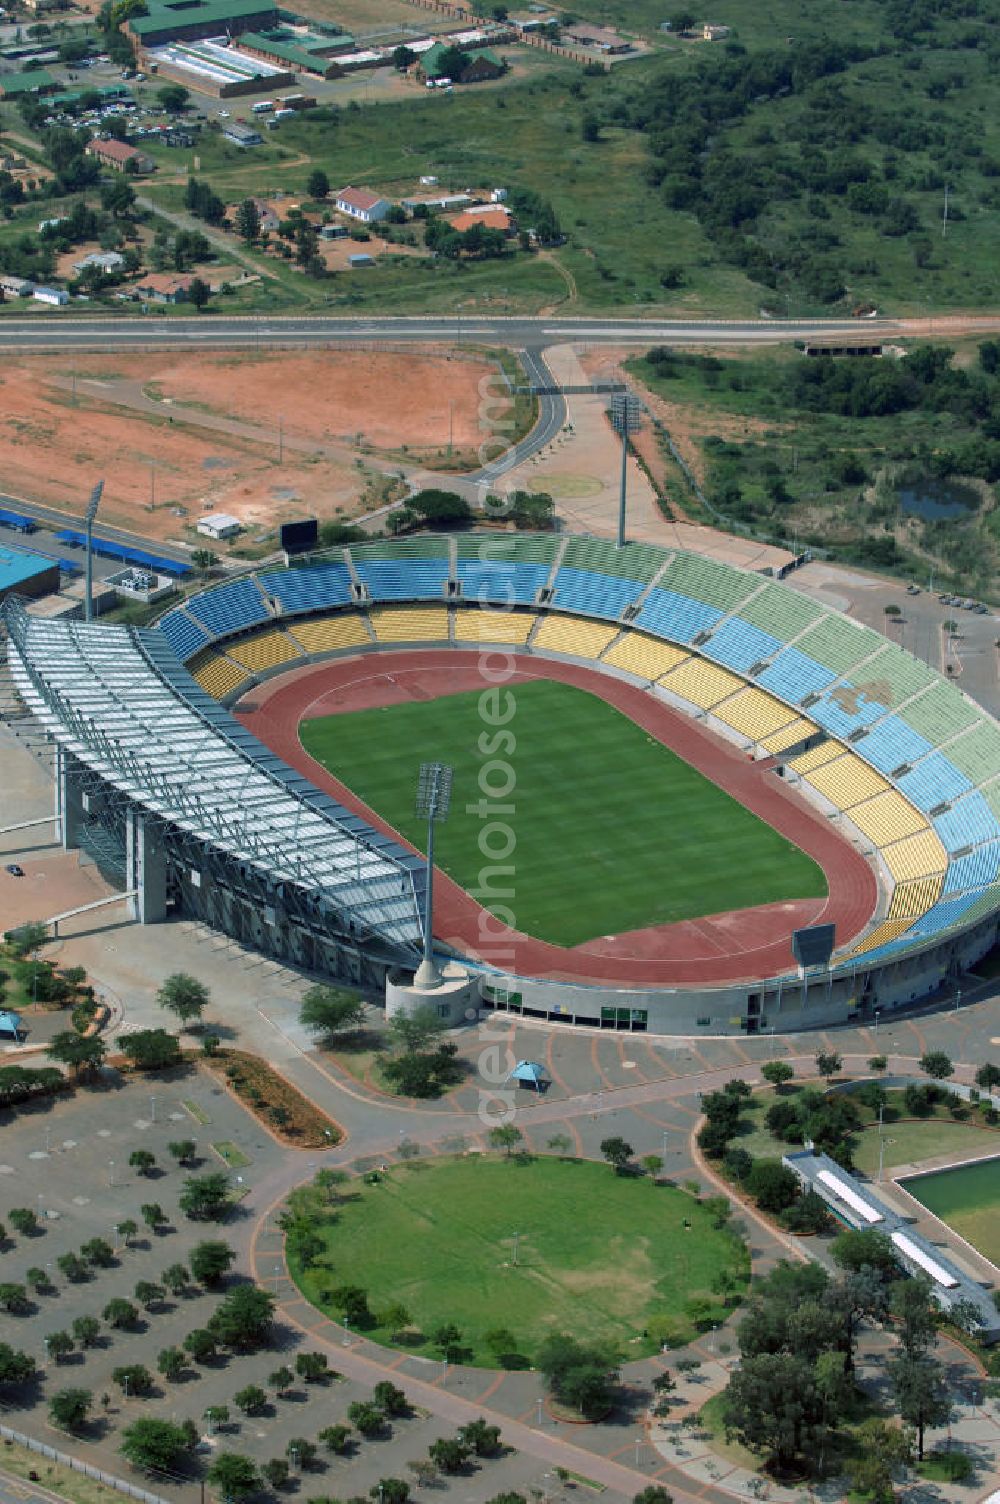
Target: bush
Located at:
point(772, 1185)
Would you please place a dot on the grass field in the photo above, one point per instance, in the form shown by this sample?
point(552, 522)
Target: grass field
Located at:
point(598, 1254)
point(967, 1199)
point(614, 832)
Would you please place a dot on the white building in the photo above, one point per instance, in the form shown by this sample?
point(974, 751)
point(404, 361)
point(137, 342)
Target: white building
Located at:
point(219, 525)
point(362, 204)
point(56, 296)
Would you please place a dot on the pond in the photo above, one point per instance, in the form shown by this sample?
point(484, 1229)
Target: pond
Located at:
point(967, 1198)
point(937, 500)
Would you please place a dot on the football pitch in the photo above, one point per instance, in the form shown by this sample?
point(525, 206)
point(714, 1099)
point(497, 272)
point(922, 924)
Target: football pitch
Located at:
point(612, 831)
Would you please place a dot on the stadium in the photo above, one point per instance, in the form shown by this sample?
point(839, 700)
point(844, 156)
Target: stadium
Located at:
point(707, 762)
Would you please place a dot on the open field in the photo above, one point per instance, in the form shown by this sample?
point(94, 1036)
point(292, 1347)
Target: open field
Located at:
point(966, 1198)
point(598, 1254)
point(629, 837)
point(145, 423)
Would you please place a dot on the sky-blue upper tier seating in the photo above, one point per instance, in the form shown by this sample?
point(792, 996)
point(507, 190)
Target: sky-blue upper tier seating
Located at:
point(843, 710)
point(969, 821)
point(408, 580)
point(932, 781)
point(601, 594)
point(676, 616)
point(739, 645)
point(501, 580)
point(891, 743)
point(184, 635)
point(793, 675)
point(309, 589)
point(974, 869)
point(229, 608)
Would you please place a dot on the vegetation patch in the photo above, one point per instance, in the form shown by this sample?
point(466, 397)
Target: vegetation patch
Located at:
point(273, 1100)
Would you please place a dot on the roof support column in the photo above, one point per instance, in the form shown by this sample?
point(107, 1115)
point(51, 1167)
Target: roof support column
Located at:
point(71, 811)
point(146, 868)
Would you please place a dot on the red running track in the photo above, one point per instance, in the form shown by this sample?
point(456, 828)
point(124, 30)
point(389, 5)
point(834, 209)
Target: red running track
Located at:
point(743, 945)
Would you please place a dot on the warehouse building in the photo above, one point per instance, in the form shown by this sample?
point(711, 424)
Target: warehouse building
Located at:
point(23, 573)
point(193, 20)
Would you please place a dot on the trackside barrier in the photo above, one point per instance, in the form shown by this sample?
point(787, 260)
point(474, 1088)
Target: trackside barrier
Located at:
point(120, 1485)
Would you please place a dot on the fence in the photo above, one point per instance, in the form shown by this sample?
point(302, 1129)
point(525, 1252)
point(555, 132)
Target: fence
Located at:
point(120, 1485)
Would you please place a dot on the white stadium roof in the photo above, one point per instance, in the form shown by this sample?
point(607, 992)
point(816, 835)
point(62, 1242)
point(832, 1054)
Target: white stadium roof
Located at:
point(121, 703)
point(857, 1203)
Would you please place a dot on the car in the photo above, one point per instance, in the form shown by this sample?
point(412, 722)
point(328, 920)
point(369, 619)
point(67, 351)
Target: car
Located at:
point(14, 869)
point(223, 114)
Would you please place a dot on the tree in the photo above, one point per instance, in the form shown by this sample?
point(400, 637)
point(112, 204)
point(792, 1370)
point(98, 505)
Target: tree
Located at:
point(183, 995)
point(560, 1143)
point(443, 508)
point(921, 1394)
point(878, 1062)
point(198, 292)
point(148, 1293)
point(352, 1302)
point(914, 1308)
point(414, 1031)
point(128, 1229)
point(59, 1344)
point(175, 1279)
point(152, 1049)
point(506, 1137)
point(143, 1161)
point(69, 1408)
point(99, 1253)
point(617, 1153)
point(330, 1013)
point(242, 1320)
point(250, 1400)
point(578, 1374)
point(773, 1185)
point(183, 1150)
point(988, 1077)
point(395, 1318)
point(118, 197)
point(133, 1379)
point(16, 1368)
point(211, 1260)
point(86, 1330)
point(777, 1072)
point(483, 1439)
point(403, 58)
point(366, 1418)
point(247, 221)
point(201, 1344)
point(275, 1471)
point(171, 1363)
point(448, 1454)
point(879, 1450)
point(14, 1299)
point(318, 184)
point(301, 1452)
point(389, 1491)
point(390, 1398)
point(682, 22)
point(173, 98)
point(205, 1198)
point(937, 1064)
point(216, 1416)
point(866, 1249)
point(82, 1055)
point(771, 1405)
point(72, 1267)
point(153, 1215)
point(155, 1445)
point(652, 1164)
point(313, 1367)
point(653, 1493)
point(120, 1314)
point(23, 1220)
point(827, 1064)
point(335, 1439)
point(233, 1475)
point(281, 1380)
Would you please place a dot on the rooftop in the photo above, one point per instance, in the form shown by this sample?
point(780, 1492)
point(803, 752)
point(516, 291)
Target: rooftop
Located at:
point(18, 565)
point(30, 82)
point(359, 198)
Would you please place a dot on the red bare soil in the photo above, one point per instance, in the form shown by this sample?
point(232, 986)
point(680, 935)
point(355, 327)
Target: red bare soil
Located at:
point(744, 945)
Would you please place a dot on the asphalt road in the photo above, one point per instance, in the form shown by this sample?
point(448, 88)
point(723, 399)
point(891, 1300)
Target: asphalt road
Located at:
point(65, 333)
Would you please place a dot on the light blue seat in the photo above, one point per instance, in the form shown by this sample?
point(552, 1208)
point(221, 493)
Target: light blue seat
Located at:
point(598, 594)
point(501, 580)
point(933, 781)
point(309, 589)
point(677, 617)
point(739, 645)
point(230, 608)
point(891, 743)
point(409, 580)
point(184, 635)
point(969, 822)
point(793, 675)
point(975, 869)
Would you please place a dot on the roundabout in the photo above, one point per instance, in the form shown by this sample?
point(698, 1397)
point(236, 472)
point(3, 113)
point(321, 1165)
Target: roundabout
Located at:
point(510, 1250)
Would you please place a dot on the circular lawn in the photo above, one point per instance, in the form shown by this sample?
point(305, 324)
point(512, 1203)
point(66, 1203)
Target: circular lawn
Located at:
point(598, 1256)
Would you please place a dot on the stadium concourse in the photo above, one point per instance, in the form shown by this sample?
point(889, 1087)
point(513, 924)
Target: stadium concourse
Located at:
point(901, 768)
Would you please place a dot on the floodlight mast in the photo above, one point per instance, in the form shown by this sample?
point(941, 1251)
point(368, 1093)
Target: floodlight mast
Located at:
point(625, 414)
point(433, 801)
point(88, 517)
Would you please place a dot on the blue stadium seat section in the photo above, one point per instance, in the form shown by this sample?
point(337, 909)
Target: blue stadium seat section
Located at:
point(677, 616)
point(967, 823)
point(793, 675)
point(501, 580)
point(409, 580)
point(933, 781)
point(597, 594)
point(313, 589)
point(891, 743)
point(739, 645)
point(975, 869)
point(946, 913)
point(848, 712)
point(184, 635)
point(230, 608)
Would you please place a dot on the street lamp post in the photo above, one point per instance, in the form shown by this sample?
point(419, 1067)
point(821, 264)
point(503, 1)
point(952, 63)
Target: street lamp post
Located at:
point(433, 802)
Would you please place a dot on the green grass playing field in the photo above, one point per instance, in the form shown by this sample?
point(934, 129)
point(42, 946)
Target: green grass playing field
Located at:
point(967, 1199)
point(614, 832)
point(598, 1254)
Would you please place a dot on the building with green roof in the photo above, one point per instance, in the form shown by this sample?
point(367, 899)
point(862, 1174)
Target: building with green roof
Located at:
point(192, 20)
point(31, 81)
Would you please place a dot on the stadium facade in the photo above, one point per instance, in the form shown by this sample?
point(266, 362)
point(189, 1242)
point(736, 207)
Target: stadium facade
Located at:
point(191, 814)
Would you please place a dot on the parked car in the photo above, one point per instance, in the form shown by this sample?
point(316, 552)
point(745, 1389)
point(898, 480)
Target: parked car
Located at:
point(14, 869)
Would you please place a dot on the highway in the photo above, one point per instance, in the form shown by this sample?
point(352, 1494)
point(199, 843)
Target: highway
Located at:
point(66, 333)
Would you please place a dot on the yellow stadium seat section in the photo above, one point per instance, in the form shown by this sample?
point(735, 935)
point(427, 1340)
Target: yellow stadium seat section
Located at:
point(410, 623)
point(815, 757)
point(797, 731)
point(890, 929)
point(493, 626)
point(325, 634)
point(646, 657)
point(218, 677)
point(916, 856)
point(888, 817)
point(264, 650)
point(754, 713)
point(910, 900)
point(702, 683)
point(570, 634)
point(847, 780)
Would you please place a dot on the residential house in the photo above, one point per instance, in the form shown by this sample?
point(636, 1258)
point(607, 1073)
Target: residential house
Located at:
point(600, 38)
point(105, 261)
point(713, 33)
point(163, 287)
point(15, 287)
point(242, 135)
point(362, 204)
point(56, 297)
point(119, 156)
point(437, 63)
